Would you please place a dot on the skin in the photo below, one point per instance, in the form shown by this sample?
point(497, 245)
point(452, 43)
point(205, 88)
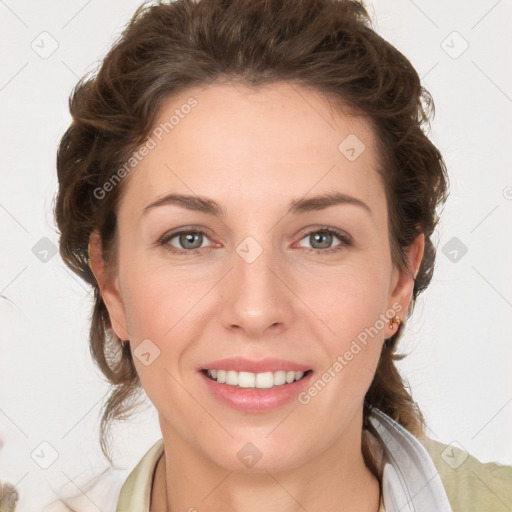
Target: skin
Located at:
point(254, 151)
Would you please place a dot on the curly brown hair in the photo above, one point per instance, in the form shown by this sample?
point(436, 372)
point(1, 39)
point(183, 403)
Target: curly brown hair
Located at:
point(328, 46)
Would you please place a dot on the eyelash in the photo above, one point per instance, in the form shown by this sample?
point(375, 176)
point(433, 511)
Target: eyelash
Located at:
point(346, 241)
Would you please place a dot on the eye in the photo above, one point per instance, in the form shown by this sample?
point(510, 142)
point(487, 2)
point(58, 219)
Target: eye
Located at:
point(322, 239)
point(189, 241)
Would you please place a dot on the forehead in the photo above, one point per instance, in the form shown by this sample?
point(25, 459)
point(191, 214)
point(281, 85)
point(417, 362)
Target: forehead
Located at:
point(232, 140)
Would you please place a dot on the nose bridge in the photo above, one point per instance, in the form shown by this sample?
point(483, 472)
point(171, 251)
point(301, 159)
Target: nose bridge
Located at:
point(253, 262)
point(258, 299)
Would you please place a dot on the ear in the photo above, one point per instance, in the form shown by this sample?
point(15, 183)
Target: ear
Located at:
point(403, 280)
point(109, 286)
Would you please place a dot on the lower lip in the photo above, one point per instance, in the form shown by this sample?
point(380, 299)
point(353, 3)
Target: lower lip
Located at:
point(256, 400)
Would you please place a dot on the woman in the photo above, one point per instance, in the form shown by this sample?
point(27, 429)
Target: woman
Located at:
point(283, 141)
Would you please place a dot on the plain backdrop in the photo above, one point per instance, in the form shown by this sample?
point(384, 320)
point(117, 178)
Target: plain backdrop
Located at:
point(458, 341)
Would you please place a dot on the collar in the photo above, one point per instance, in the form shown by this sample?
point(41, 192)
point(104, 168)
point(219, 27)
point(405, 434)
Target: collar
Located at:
point(410, 481)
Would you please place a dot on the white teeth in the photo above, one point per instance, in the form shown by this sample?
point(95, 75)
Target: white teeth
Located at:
point(246, 379)
point(279, 378)
point(263, 380)
point(232, 378)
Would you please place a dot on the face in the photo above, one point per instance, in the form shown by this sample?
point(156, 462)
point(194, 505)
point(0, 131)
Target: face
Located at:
point(277, 266)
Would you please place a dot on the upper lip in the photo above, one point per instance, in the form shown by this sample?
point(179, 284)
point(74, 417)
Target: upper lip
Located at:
point(242, 364)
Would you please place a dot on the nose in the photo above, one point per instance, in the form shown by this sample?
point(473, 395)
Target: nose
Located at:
point(257, 296)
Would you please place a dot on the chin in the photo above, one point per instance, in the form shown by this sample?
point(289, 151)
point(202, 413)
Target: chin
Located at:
point(253, 457)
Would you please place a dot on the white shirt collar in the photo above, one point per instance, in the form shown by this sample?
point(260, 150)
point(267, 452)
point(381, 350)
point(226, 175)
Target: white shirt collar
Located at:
point(410, 480)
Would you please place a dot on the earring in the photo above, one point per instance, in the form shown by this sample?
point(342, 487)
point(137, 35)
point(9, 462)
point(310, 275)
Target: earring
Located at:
point(395, 320)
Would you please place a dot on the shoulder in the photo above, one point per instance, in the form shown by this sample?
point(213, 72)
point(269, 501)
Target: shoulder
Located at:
point(470, 485)
point(112, 490)
point(136, 491)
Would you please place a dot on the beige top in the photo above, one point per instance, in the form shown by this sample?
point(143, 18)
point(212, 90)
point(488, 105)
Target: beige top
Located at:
point(471, 485)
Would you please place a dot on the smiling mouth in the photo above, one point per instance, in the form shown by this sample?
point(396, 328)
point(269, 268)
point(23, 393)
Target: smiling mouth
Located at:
point(249, 380)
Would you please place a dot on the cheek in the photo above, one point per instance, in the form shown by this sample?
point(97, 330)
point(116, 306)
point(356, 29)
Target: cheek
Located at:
point(348, 299)
point(156, 314)
point(353, 311)
point(345, 299)
point(163, 306)
point(157, 299)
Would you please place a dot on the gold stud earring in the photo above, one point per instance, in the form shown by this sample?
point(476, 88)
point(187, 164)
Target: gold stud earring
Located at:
point(395, 320)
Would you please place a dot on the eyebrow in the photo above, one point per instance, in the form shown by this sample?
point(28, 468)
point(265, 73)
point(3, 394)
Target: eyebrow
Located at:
point(209, 206)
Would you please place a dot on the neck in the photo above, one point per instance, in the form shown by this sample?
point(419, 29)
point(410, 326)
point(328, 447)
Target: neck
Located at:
point(330, 482)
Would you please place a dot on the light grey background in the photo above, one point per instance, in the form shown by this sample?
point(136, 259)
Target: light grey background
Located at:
point(459, 339)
